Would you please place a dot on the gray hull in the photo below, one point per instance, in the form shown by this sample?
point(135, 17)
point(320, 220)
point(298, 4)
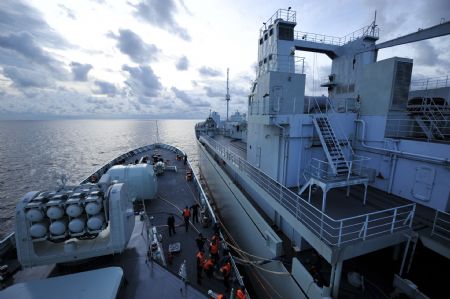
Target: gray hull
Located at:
point(248, 229)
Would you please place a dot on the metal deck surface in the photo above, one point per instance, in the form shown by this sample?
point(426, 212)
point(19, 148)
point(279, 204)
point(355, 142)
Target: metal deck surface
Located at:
point(144, 279)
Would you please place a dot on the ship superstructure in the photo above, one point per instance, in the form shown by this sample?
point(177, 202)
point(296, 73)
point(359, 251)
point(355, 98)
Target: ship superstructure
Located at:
point(364, 169)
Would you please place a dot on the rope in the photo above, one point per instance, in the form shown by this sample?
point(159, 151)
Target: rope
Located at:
point(261, 268)
point(258, 277)
point(163, 199)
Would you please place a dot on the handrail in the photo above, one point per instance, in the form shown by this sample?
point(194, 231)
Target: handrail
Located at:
point(283, 14)
point(369, 30)
point(441, 225)
point(328, 103)
point(430, 83)
point(333, 232)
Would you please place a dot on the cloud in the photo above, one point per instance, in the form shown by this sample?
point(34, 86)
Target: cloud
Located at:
point(26, 78)
point(105, 88)
point(187, 99)
point(131, 44)
point(213, 93)
point(67, 11)
point(161, 13)
point(17, 16)
point(142, 81)
point(182, 64)
point(209, 72)
point(24, 44)
point(80, 71)
point(427, 55)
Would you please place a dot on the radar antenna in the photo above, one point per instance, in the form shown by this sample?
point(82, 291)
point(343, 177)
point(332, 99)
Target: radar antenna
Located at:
point(227, 96)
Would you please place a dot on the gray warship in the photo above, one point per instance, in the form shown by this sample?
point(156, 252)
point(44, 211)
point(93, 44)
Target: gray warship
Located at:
point(108, 238)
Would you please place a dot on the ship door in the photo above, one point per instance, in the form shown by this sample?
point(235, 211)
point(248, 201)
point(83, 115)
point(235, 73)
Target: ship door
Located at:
point(423, 183)
point(277, 97)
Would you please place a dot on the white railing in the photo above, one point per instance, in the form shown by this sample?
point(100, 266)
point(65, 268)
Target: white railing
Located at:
point(318, 38)
point(427, 129)
point(323, 170)
point(331, 231)
point(371, 31)
point(441, 225)
point(430, 83)
point(283, 14)
point(282, 63)
point(329, 107)
point(324, 104)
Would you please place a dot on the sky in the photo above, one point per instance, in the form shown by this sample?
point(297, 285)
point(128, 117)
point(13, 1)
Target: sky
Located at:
point(168, 58)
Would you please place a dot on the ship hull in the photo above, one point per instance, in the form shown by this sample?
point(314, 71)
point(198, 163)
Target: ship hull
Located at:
point(248, 229)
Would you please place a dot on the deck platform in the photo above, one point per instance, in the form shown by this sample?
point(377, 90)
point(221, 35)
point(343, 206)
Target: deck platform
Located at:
point(143, 277)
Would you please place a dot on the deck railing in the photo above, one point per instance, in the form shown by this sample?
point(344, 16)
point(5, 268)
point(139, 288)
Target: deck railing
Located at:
point(421, 128)
point(367, 31)
point(324, 171)
point(281, 14)
point(334, 232)
point(430, 83)
point(441, 225)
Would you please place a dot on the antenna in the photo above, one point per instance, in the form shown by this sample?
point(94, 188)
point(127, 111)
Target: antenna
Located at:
point(157, 132)
point(227, 97)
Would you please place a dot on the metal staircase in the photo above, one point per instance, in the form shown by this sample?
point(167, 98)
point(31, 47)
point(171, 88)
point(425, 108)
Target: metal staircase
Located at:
point(431, 116)
point(331, 146)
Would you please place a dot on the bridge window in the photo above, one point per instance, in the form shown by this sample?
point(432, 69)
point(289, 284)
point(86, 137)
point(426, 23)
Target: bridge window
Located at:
point(260, 41)
point(285, 33)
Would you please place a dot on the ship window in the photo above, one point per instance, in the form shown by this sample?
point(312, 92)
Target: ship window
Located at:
point(260, 41)
point(265, 36)
point(265, 60)
point(270, 56)
point(271, 31)
point(285, 33)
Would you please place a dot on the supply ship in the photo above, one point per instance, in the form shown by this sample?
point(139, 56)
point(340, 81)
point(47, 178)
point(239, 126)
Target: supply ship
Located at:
point(339, 196)
point(108, 237)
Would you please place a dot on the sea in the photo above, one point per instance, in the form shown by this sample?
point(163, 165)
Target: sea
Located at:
point(35, 154)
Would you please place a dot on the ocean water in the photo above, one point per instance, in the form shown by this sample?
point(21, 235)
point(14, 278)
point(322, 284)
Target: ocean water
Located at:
point(34, 154)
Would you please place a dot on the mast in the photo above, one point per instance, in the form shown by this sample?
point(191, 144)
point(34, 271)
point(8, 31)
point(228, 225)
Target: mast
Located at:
point(227, 96)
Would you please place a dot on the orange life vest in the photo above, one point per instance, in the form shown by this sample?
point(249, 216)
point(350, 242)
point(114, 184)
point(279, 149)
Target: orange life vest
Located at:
point(186, 213)
point(214, 249)
point(240, 294)
point(209, 263)
point(220, 296)
point(200, 258)
point(226, 269)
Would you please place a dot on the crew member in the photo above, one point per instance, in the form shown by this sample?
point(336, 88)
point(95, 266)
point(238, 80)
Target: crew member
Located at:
point(216, 238)
point(214, 250)
point(195, 207)
point(209, 267)
point(171, 224)
point(200, 241)
point(240, 293)
point(226, 271)
point(200, 263)
point(186, 215)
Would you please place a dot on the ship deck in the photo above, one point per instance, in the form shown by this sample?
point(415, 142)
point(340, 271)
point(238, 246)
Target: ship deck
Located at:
point(338, 205)
point(141, 276)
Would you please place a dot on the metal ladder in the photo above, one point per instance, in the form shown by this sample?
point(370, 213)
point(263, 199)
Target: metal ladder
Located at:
point(331, 146)
point(433, 116)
